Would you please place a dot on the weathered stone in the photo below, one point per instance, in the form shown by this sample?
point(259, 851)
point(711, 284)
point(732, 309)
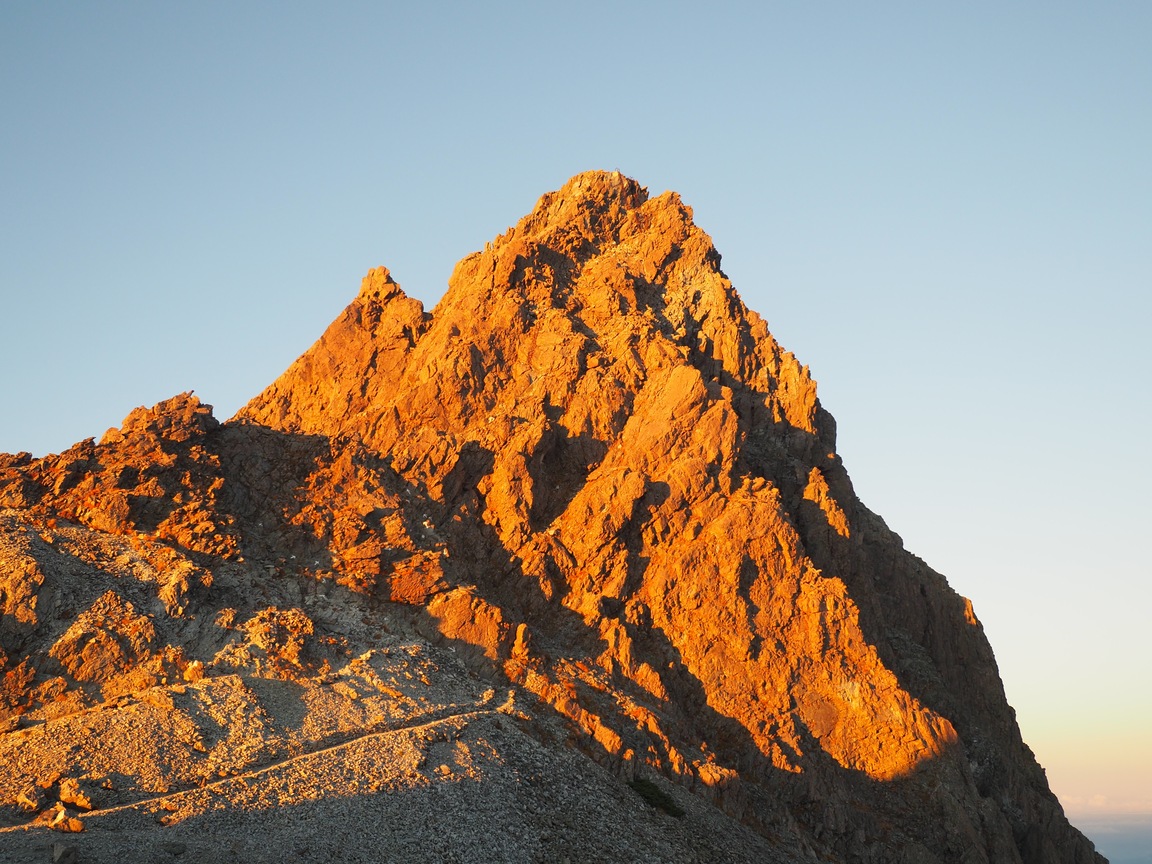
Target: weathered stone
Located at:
point(76, 793)
point(590, 471)
point(30, 799)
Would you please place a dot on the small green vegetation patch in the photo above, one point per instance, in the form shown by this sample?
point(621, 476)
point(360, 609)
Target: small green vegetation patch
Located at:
point(657, 797)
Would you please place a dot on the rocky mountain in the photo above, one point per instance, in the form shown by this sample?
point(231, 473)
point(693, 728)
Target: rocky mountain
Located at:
point(567, 569)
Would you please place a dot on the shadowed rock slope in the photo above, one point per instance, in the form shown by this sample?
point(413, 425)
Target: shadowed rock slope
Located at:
point(593, 507)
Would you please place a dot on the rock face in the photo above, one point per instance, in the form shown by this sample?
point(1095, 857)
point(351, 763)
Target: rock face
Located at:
point(592, 477)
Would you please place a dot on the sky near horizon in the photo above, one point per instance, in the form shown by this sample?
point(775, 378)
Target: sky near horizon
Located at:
point(945, 210)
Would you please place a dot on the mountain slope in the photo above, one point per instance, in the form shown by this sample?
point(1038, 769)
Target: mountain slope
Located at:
point(594, 475)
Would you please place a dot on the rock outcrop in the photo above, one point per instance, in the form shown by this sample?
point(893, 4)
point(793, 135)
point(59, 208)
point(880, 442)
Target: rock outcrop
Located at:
point(592, 477)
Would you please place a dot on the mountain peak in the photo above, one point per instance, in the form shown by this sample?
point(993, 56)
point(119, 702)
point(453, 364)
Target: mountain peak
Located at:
point(589, 203)
point(589, 479)
point(378, 284)
point(599, 287)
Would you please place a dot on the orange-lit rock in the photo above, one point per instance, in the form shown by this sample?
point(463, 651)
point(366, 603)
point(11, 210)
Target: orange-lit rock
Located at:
point(591, 476)
point(107, 638)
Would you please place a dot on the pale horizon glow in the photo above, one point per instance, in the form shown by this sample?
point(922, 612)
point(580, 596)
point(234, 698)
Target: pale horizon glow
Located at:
point(945, 212)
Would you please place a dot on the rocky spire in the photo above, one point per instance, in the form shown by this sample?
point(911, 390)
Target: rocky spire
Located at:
point(593, 473)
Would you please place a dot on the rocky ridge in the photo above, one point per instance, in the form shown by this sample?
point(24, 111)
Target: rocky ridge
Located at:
point(593, 504)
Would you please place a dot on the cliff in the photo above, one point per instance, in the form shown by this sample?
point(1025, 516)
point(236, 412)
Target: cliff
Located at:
point(589, 484)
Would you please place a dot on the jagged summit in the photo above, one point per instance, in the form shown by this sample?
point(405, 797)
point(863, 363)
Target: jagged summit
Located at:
point(597, 277)
point(593, 475)
point(588, 209)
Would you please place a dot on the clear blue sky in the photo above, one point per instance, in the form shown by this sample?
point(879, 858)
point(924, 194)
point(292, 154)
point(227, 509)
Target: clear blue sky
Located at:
point(944, 209)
